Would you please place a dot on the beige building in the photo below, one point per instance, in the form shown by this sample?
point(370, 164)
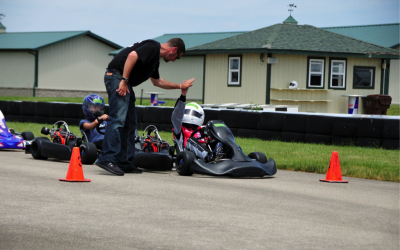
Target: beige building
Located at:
point(386, 35)
point(258, 66)
point(53, 63)
point(394, 81)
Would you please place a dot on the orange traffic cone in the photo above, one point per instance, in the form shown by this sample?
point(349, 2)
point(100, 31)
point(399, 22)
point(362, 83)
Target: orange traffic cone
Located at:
point(334, 173)
point(75, 172)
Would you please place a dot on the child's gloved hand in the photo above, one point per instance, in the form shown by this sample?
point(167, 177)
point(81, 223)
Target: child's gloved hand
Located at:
point(103, 117)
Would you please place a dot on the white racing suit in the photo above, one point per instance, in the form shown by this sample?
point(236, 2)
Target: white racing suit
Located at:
point(181, 133)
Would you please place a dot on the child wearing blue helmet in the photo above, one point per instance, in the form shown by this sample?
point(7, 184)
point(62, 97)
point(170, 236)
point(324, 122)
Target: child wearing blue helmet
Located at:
point(93, 108)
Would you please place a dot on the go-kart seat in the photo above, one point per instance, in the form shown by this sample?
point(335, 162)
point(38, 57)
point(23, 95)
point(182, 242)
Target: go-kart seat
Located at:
point(84, 136)
point(220, 132)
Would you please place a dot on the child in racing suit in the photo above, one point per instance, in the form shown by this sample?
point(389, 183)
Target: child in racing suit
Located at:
point(93, 108)
point(185, 119)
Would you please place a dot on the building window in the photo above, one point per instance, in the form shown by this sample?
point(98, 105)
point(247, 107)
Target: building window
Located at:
point(337, 78)
point(316, 73)
point(234, 71)
point(364, 77)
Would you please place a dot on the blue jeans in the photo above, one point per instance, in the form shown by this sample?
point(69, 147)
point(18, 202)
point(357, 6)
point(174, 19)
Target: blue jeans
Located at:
point(119, 137)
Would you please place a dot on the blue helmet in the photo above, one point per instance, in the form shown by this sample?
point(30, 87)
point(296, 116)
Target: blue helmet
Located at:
point(93, 106)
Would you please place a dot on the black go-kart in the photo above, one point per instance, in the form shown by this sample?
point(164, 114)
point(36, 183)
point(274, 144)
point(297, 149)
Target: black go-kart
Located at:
point(151, 152)
point(231, 161)
point(61, 144)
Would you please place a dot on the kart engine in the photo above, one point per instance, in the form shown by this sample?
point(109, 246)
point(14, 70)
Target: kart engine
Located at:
point(60, 135)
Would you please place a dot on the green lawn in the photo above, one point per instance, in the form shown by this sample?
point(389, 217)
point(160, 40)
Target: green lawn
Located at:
point(393, 110)
point(367, 163)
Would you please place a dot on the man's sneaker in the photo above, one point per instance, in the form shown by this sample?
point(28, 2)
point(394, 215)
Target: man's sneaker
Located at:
point(130, 169)
point(110, 167)
point(133, 170)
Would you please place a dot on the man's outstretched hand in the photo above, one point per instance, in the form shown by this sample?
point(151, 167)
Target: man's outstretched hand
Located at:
point(187, 84)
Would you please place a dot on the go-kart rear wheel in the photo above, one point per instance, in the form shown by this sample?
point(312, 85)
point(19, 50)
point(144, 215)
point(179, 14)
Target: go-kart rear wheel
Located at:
point(183, 161)
point(258, 156)
point(28, 136)
point(36, 148)
point(88, 153)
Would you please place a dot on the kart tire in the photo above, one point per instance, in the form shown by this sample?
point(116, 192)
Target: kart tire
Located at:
point(183, 161)
point(88, 153)
point(258, 156)
point(28, 136)
point(36, 148)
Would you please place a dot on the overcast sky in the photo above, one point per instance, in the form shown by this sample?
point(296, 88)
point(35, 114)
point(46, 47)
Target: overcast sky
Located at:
point(127, 21)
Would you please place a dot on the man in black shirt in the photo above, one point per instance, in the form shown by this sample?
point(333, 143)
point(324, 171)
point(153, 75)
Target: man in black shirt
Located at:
point(129, 68)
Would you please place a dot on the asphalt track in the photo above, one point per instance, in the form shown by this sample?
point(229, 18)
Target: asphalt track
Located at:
point(162, 210)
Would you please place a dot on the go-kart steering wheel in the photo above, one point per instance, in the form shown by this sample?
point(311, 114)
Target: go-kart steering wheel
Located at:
point(62, 123)
point(100, 127)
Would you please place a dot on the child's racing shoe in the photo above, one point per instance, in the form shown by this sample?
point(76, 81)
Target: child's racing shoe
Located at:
point(218, 150)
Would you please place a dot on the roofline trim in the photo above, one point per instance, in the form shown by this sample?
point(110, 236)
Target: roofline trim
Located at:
point(83, 33)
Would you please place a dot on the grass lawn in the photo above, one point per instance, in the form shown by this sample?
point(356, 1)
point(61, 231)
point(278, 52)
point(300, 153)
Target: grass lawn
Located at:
point(393, 110)
point(367, 163)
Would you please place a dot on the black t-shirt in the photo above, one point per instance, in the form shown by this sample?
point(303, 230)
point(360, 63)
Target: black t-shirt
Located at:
point(147, 64)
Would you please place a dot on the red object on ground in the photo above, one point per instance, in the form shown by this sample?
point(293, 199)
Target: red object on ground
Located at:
point(75, 172)
point(334, 173)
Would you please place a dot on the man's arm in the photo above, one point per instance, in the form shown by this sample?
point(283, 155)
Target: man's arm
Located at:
point(164, 84)
point(129, 63)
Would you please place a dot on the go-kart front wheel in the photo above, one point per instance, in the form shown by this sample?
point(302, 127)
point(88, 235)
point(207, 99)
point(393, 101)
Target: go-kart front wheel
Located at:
point(258, 156)
point(88, 153)
point(183, 161)
point(36, 148)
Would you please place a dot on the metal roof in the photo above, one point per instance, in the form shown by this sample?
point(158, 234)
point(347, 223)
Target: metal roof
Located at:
point(37, 40)
point(381, 34)
point(295, 39)
point(193, 39)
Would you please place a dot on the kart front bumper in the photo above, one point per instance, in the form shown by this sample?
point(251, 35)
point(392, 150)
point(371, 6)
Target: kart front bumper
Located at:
point(234, 168)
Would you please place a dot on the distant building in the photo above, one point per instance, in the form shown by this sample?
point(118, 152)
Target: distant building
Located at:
point(386, 35)
point(70, 63)
point(258, 66)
